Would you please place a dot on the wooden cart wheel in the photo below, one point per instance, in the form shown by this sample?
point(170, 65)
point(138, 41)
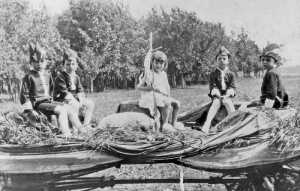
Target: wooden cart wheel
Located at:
point(283, 180)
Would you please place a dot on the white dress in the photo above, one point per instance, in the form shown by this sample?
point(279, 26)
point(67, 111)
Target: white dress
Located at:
point(161, 99)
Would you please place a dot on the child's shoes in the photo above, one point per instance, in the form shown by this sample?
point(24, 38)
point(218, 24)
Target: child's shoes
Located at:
point(82, 130)
point(168, 128)
point(67, 134)
point(179, 126)
point(74, 131)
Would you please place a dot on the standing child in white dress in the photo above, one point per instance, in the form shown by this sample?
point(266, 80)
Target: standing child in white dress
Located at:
point(161, 87)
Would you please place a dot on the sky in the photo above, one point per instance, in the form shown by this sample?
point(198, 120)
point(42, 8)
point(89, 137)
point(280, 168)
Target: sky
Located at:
point(274, 21)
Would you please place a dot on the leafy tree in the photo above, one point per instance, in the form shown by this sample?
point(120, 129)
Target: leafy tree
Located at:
point(20, 26)
point(109, 38)
point(188, 42)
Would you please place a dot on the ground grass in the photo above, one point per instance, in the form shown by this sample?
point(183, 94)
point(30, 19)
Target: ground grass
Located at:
point(106, 103)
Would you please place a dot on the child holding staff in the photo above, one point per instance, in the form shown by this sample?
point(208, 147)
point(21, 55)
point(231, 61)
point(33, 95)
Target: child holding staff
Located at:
point(161, 89)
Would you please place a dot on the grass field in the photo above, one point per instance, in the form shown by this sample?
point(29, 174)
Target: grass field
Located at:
point(190, 97)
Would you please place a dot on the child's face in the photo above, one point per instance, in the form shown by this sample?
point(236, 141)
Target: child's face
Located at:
point(222, 61)
point(71, 65)
point(268, 62)
point(159, 64)
point(39, 66)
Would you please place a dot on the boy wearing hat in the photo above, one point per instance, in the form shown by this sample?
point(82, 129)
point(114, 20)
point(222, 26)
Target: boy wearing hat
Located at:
point(36, 93)
point(68, 88)
point(222, 87)
point(273, 93)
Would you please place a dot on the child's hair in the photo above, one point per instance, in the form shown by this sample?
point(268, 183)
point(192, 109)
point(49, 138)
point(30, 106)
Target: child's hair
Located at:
point(159, 55)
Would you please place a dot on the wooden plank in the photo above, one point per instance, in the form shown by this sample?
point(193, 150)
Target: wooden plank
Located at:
point(54, 163)
point(255, 155)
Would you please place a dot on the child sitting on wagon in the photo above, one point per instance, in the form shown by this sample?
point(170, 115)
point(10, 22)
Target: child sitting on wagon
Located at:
point(36, 94)
point(68, 88)
point(160, 87)
point(222, 88)
point(273, 93)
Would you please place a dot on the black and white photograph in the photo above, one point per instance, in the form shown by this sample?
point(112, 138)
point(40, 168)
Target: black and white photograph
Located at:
point(150, 95)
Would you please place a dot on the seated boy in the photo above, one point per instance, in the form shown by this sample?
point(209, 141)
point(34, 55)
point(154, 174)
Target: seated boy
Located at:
point(68, 88)
point(222, 87)
point(36, 94)
point(273, 93)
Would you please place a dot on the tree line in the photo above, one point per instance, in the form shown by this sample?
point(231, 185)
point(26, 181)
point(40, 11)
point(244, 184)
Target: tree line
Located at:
point(113, 43)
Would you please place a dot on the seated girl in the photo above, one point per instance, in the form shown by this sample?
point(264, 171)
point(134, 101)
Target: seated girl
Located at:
point(222, 88)
point(160, 87)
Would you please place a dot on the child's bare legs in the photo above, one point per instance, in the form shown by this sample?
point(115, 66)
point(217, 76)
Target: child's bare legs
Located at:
point(176, 106)
point(73, 117)
point(75, 105)
point(229, 105)
point(89, 104)
point(63, 120)
point(216, 104)
point(165, 113)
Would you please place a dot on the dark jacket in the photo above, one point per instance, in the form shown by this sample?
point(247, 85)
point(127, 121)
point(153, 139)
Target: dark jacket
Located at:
point(63, 86)
point(216, 80)
point(272, 85)
point(32, 86)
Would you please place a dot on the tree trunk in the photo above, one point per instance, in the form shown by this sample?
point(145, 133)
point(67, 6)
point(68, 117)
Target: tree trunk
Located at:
point(183, 83)
point(174, 81)
point(236, 74)
point(1, 84)
point(136, 77)
point(10, 92)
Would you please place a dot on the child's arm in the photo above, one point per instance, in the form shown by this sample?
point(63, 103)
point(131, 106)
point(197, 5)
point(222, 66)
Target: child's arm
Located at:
point(231, 86)
point(51, 86)
point(213, 86)
point(79, 90)
point(61, 88)
point(25, 98)
point(271, 84)
point(167, 84)
point(143, 87)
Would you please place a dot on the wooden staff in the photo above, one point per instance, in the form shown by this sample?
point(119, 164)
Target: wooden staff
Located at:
point(154, 97)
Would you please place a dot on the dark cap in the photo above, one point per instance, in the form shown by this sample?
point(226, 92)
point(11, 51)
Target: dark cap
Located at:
point(69, 53)
point(36, 53)
point(223, 51)
point(271, 51)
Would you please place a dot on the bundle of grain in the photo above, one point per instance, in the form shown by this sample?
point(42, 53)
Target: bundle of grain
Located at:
point(131, 121)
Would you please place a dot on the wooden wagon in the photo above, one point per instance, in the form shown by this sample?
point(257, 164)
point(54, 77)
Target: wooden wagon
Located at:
point(251, 167)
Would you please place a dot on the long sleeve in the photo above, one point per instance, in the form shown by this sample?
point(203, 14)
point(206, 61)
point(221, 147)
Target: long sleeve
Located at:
point(24, 95)
point(51, 86)
point(231, 84)
point(271, 86)
point(60, 87)
point(212, 81)
point(79, 88)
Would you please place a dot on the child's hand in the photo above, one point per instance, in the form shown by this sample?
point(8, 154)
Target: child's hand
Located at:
point(155, 89)
point(226, 96)
point(34, 115)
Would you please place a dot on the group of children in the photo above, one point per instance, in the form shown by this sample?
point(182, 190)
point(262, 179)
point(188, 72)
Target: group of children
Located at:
point(62, 96)
point(222, 86)
point(69, 101)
